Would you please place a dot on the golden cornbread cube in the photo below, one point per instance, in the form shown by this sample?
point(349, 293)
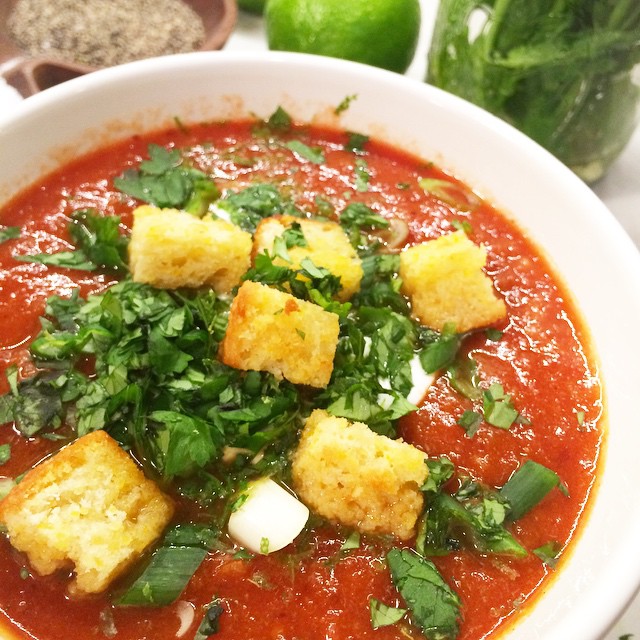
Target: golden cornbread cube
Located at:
point(446, 284)
point(171, 249)
point(349, 474)
point(327, 245)
point(270, 330)
point(88, 508)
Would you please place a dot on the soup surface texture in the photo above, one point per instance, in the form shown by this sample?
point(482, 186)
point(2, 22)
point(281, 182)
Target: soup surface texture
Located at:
point(331, 582)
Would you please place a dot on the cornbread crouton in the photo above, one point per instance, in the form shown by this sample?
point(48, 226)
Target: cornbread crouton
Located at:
point(270, 330)
point(446, 284)
point(349, 474)
point(171, 249)
point(327, 246)
point(88, 507)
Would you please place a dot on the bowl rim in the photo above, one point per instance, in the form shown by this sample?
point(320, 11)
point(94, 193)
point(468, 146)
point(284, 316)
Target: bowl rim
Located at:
point(624, 570)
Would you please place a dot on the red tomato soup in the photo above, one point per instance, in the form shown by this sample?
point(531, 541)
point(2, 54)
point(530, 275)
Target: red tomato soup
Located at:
point(318, 587)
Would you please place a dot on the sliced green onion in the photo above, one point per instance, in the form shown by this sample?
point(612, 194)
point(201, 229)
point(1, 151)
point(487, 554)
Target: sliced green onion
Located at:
point(527, 487)
point(171, 567)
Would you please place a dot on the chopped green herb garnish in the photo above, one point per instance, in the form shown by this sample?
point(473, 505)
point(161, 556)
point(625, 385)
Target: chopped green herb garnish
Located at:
point(383, 615)
point(65, 259)
point(264, 546)
point(279, 120)
point(470, 421)
point(433, 604)
point(345, 103)
point(549, 553)
point(5, 453)
point(356, 142)
point(9, 233)
point(498, 408)
point(441, 349)
point(351, 542)
point(361, 170)
point(462, 225)
point(165, 181)
point(249, 206)
point(312, 154)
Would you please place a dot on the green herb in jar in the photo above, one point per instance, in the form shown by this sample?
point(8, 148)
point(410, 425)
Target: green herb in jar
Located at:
point(561, 71)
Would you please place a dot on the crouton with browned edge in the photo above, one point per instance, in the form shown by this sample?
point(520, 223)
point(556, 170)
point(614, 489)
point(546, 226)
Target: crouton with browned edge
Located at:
point(325, 244)
point(171, 249)
point(88, 508)
point(349, 474)
point(270, 330)
point(446, 284)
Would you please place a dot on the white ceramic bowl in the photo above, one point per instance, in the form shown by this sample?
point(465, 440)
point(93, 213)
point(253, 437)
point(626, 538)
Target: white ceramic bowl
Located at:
point(598, 261)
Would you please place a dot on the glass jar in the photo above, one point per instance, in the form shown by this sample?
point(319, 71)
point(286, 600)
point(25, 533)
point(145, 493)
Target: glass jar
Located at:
point(566, 73)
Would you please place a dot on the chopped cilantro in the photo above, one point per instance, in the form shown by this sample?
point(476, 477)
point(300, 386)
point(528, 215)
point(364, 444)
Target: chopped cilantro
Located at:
point(165, 181)
point(441, 349)
point(345, 103)
point(361, 171)
point(312, 154)
point(171, 566)
point(498, 408)
point(249, 206)
point(279, 120)
point(470, 421)
point(352, 541)
point(462, 225)
point(549, 553)
point(65, 259)
point(356, 142)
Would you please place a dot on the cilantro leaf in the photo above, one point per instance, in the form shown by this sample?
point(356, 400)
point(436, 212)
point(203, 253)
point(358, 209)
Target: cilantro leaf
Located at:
point(166, 182)
point(440, 349)
point(279, 120)
point(248, 207)
point(99, 238)
point(434, 605)
point(498, 408)
point(312, 154)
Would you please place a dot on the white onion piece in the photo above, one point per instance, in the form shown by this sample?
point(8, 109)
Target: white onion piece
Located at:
point(269, 519)
point(186, 614)
point(421, 381)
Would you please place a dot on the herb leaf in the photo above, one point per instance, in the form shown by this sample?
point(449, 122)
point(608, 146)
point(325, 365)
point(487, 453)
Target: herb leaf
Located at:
point(9, 233)
point(166, 182)
point(434, 605)
point(383, 615)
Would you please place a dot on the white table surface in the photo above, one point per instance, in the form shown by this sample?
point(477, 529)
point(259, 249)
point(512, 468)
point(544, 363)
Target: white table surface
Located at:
point(619, 190)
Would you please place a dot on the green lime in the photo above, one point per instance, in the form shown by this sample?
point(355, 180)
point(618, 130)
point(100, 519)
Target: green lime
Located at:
point(382, 33)
point(252, 6)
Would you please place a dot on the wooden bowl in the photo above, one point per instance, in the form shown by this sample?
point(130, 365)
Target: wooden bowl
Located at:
point(29, 74)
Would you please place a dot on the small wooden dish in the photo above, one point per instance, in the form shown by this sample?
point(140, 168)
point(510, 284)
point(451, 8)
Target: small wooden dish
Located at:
point(30, 75)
